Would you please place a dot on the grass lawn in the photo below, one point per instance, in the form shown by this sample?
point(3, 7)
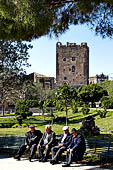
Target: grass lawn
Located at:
point(75, 120)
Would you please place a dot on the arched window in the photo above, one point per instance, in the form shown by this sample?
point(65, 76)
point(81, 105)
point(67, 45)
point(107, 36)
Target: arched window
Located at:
point(73, 68)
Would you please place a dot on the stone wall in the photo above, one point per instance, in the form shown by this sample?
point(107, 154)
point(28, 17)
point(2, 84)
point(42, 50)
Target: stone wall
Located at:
point(72, 64)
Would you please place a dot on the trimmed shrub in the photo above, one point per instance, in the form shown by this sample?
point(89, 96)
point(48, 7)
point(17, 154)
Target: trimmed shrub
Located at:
point(22, 108)
point(102, 113)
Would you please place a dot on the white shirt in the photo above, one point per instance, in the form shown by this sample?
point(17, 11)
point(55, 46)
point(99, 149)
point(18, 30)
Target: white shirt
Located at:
point(46, 139)
point(65, 135)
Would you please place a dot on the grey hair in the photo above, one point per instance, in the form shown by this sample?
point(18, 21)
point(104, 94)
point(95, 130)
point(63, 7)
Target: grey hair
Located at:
point(48, 126)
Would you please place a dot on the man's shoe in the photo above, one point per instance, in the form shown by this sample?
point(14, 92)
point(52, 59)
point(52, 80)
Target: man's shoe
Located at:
point(17, 157)
point(44, 160)
point(30, 158)
point(66, 165)
point(53, 162)
point(40, 160)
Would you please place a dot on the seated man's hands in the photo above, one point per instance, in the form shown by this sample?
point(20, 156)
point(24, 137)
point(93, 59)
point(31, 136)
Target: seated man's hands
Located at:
point(27, 147)
point(60, 145)
point(47, 147)
point(38, 146)
point(69, 150)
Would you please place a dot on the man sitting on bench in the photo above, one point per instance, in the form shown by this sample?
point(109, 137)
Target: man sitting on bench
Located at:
point(76, 148)
point(31, 142)
point(45, 143)
point(61, 147)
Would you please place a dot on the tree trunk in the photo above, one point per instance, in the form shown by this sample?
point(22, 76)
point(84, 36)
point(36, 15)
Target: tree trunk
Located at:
point(43, 111)
point(3, 110)
point(66, 114)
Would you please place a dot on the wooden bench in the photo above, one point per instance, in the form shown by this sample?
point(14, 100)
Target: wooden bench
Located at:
point(103, 149)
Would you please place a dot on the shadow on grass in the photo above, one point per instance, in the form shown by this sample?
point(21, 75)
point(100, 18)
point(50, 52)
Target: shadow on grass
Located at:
point(81, 119)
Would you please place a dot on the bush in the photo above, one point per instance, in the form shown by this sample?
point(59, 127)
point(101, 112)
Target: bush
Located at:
point(102, 113)
point(60, 106)
point(32, 103)
point(36, 125)
point(24, 125)
point(15, 126)
point(49, 103)
point(22, 108)
point(85, 109)
point(107, 102)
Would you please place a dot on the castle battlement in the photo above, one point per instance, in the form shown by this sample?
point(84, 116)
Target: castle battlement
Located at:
point(83, 44)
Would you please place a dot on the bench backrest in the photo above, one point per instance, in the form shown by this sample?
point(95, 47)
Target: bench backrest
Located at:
point(98, 146)
point(11, 141)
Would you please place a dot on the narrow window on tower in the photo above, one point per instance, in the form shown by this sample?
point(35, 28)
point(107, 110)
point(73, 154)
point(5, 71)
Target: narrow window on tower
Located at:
point(73, 68)
point(64, 59)
point(65, 78)
point(73, 58)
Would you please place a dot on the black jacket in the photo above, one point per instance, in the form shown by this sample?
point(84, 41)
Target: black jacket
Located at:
point(33, 138)
point(78, 145)
point(66, 140)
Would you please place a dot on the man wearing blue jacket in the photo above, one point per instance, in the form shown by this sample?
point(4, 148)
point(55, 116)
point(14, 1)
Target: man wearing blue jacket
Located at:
point(76, 148)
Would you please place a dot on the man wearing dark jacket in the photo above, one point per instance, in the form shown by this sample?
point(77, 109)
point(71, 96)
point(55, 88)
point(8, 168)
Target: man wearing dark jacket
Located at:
point(61, 147)
point(45, 143)
point(31, 141)
point(76, 148)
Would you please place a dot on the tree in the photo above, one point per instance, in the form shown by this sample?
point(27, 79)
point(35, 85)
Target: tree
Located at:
point(91, 93)
point(107, 102)
point(36, 91)
point(22, 109)
point(29, 19)
point(13, 59)
point(107, 85)
point(66, 94)
point(49, 105)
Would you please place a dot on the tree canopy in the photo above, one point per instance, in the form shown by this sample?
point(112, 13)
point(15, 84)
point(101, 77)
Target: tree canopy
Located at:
point(30, 19)
point(91, 93)
point(107, 85)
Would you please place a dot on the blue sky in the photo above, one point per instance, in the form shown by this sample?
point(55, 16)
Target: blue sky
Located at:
point(43, 54)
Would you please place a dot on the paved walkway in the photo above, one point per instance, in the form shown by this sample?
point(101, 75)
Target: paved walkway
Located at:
point(12, 164)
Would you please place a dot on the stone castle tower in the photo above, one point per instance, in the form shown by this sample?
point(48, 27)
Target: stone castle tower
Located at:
point(72, 64)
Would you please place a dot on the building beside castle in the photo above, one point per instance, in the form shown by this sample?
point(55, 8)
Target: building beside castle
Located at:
point(72, 64)
point(98, 78)
point(47, 82)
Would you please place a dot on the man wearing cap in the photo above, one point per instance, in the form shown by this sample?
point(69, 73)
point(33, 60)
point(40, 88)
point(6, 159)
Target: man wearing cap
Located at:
point(45, 143)
point(32, 138)
point(61, 147)
point(76, 148)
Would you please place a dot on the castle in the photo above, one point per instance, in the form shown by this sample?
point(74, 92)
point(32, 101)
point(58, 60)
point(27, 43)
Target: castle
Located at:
point(72, 64)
